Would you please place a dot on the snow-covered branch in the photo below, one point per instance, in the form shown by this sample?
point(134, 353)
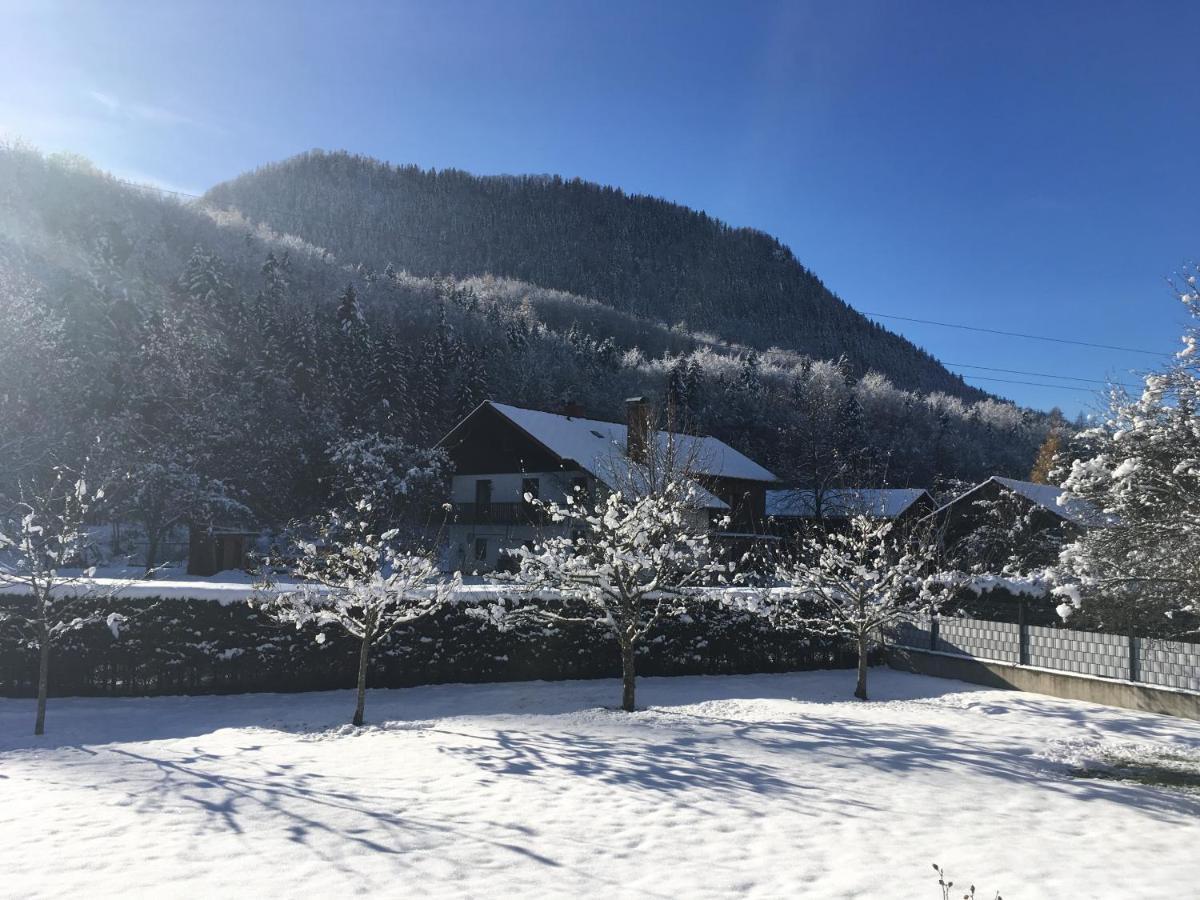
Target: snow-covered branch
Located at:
point(43, 544)
point(356, 578)
point(631, 562)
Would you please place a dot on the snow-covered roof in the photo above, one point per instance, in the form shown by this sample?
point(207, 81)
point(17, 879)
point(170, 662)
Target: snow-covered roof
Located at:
point(599, 448)
point(1047, 496)
point(1055, 499)
point(883, 503)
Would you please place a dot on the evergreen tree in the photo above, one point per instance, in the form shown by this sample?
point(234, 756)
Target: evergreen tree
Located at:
point(203, 282)
point(349, 312)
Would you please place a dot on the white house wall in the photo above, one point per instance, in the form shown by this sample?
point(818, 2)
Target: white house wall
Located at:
point(506, 486)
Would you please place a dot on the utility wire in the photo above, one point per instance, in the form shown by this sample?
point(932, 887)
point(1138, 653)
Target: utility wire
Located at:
point(154, 187)
point(1032, 337)
point(1064, 387)
point(1037, 374)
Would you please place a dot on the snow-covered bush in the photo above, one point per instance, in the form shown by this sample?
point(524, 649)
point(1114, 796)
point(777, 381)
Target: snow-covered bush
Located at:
point(1141, 467)
point(202, 646)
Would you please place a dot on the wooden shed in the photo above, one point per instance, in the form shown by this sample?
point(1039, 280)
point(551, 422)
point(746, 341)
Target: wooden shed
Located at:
point(213, 550)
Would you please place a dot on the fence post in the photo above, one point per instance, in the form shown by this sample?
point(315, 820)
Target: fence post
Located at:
point(1135, 659)
point(933, 630)
point(1022, 633)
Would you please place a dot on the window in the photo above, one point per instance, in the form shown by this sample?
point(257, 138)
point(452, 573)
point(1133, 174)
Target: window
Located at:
point(579, 488)
point(531, 486)
point(483, 499)
point(480, 549)
point(530, 491)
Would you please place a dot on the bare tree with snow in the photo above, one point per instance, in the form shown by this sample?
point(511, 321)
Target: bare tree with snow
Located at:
point(403, 483)
point(853, 583)
point(43, 547)
point(163, 494)
point(354, 577)
point(631, 562)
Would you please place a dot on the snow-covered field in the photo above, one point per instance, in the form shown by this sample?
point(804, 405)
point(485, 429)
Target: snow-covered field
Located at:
point(766, 786)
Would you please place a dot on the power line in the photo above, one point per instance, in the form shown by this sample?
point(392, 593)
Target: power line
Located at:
point(1037, 374)
point(154, 187)
point(1032, 337)
point(1064, 387)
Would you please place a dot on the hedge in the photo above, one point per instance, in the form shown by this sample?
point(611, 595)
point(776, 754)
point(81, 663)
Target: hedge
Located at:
point(188, 646)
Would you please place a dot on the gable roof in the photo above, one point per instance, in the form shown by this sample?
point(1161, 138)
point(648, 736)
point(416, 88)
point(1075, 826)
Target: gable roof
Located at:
point(1048, 496)
point(598, 448)
point(883, 503)
point(591, 443)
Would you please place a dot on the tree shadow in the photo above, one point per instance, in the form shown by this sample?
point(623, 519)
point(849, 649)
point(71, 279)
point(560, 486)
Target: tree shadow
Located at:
point(312, 811)
point(908, 749)
point(689, 754)
point(653, 762)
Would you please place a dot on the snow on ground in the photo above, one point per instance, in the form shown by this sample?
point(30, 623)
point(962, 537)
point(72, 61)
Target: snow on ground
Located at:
point(763, 786)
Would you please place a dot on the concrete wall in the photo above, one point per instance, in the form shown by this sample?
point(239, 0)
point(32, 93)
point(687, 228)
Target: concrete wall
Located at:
point(1110, 692)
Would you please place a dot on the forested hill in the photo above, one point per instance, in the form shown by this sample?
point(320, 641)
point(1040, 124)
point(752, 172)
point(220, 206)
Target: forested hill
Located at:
point(185, 346)
point(641, 255)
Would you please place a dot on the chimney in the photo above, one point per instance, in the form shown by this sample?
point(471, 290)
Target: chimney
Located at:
point(639, 427)
point(572, 409)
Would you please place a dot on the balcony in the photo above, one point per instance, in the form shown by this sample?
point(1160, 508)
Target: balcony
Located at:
point(516, 513)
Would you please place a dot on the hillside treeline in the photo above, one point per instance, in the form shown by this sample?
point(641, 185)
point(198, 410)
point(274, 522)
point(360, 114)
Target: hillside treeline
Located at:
point(174, 345)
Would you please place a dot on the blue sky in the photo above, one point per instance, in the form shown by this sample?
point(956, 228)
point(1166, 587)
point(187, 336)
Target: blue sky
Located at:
point(1022, 166)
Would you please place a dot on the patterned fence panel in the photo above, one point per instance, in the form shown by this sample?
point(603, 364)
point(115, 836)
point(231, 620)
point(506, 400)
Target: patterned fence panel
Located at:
point(1000, 641)
point(1080, 652)
point(1169, 664)
point(913, 632)
point(1148, 661)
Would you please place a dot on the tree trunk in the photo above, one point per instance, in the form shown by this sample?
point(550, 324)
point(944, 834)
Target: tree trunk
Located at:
point(364, 656)
point(628, 678)
point(151, 551)
point(39, 726)
point(860, 690)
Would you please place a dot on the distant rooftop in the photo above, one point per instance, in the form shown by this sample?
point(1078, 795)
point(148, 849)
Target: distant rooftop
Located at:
point(1049, 497)
point(842, 503)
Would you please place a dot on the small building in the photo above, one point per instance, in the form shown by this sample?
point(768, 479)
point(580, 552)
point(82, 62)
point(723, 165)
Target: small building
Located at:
point(502, 453)
point(212, 550)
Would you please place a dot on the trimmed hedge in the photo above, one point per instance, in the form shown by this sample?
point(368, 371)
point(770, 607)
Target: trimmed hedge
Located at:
point(177, 646)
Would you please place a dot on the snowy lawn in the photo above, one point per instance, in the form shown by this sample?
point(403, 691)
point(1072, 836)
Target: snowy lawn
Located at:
point(767, 786)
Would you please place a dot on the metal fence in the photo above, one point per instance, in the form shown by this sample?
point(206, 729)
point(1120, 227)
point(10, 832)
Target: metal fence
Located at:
point(1151, 661)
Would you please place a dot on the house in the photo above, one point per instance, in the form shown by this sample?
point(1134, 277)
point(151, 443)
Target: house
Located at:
point(796, 505)
point(502, 453)
point(1004, 521)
